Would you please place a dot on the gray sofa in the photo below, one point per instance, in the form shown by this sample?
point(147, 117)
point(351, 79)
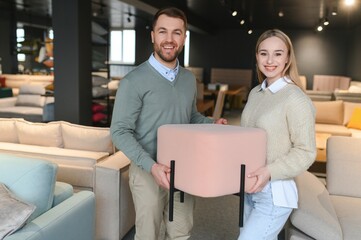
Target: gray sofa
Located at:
point(331, 211)
point(86, 159)
point(29, 192)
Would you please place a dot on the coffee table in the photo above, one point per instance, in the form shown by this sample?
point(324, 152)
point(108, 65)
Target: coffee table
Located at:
point(321, 143)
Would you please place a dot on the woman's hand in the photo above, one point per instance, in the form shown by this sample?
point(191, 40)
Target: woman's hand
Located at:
point(221, 121)
point(161, 174)
point(262, 176)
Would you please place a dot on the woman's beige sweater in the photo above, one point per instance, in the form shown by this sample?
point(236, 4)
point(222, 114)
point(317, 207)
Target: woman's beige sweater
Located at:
point(288, 117)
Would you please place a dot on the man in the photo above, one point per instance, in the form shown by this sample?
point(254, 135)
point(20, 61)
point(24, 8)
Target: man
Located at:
point(157, 92)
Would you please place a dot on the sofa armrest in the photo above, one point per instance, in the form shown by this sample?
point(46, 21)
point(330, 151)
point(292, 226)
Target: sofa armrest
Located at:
point(115, 214)
point(315, 215)
point(72, 219)
point(7, 102)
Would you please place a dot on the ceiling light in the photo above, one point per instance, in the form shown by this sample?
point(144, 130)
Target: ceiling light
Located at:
point(326, 22)
point(280, 13)
point(250, 31)
point(319, 28)
point(234, 13)
point(334, 11)
point(242, 22)
point(349, 2)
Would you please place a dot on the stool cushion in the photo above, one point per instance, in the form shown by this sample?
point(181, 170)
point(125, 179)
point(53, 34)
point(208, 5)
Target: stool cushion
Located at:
point(208, 157)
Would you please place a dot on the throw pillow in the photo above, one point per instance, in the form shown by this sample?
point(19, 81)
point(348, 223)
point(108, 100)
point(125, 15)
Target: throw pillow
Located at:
point(329, 112)
point(8, 130)
point(355, 121)
point(28, 100)
point(42, 134)
point(14, 212)
point(86, 138)
point(99, 80)
point(2, 82)
point(348, 108)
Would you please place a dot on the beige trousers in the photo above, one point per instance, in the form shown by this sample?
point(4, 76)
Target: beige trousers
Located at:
point(151, 209)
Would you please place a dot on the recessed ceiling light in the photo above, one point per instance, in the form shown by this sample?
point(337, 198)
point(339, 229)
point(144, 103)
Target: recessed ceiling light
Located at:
point(234, 13)
point(242, 22)
point(280, 13)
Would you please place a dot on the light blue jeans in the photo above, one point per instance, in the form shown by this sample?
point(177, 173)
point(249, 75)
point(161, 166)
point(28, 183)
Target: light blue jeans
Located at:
point(262, 219)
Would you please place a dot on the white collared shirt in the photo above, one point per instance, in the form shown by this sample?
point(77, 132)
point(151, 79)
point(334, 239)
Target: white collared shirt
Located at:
point(284, 192)
point(168, 73)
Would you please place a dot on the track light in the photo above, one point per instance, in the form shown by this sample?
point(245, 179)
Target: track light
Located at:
point(326, 22)
point(334, 11)
point(319, 28)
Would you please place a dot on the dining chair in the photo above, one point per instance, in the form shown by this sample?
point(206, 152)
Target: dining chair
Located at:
point(218, 109)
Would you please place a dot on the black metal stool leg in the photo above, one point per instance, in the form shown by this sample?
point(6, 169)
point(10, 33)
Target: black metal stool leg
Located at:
point(241, 194)
point(171, 190)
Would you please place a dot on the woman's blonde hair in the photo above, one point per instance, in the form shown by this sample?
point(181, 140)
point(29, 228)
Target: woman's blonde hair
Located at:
point(291, 67)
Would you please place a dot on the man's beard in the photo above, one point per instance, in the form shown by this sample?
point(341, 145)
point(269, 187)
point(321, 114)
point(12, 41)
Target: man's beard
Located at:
point(167, 57)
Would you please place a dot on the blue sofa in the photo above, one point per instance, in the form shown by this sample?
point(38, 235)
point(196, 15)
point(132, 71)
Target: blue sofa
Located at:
point(59, 214)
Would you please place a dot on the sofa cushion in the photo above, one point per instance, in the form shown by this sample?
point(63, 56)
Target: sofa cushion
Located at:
point(42, 134)
point(348, 110)
point(80, 137)
point(330, 112)
point(343, 156)
point(333, 129)
point(14, 212)
point(355, 121)
point(315, 215)
point(74, 166)
point(62, 192)
point(349, 214)
point(29, 100)
point(31, 180)
point(8, 130)
point(31, 89)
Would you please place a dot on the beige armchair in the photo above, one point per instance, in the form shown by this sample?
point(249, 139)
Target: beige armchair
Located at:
point(331, 211)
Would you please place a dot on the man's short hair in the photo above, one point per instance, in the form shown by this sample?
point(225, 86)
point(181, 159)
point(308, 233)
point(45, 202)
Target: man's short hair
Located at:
point(171, 12)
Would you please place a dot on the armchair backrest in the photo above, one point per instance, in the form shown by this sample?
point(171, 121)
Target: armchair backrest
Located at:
point(344, 166)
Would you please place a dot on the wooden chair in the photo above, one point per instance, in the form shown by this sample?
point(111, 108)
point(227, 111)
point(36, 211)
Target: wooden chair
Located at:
point(218, 109)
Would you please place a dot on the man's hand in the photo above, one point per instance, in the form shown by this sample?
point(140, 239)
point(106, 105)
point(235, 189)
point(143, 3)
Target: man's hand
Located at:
point(221, 121)
point(262, 176)
point(161, 174)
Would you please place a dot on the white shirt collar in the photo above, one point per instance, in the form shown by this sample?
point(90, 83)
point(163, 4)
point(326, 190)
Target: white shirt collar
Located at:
point(166, 72)
point(277, 85)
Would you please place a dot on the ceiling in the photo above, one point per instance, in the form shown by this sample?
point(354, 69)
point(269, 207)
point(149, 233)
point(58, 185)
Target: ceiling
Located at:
point(210, 16)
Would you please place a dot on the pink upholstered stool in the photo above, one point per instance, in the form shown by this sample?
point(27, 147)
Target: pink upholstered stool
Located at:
point(208, 157)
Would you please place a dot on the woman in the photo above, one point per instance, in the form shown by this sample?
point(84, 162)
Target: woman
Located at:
point(280, 107)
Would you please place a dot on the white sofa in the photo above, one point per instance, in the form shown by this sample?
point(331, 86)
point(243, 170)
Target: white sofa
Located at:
point(331, 211)
point(30, 104)
point(332, 117)
point(86, 159)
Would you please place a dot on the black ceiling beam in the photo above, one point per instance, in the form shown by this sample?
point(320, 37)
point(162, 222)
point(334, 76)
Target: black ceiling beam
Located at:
point(195, 23)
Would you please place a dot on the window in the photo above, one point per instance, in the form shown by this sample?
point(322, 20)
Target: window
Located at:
point(186, 49)
point(122, 46)
point(20, 37)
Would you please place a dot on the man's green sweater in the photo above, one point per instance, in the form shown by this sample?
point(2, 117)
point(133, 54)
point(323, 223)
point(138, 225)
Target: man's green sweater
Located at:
point(145, 100)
